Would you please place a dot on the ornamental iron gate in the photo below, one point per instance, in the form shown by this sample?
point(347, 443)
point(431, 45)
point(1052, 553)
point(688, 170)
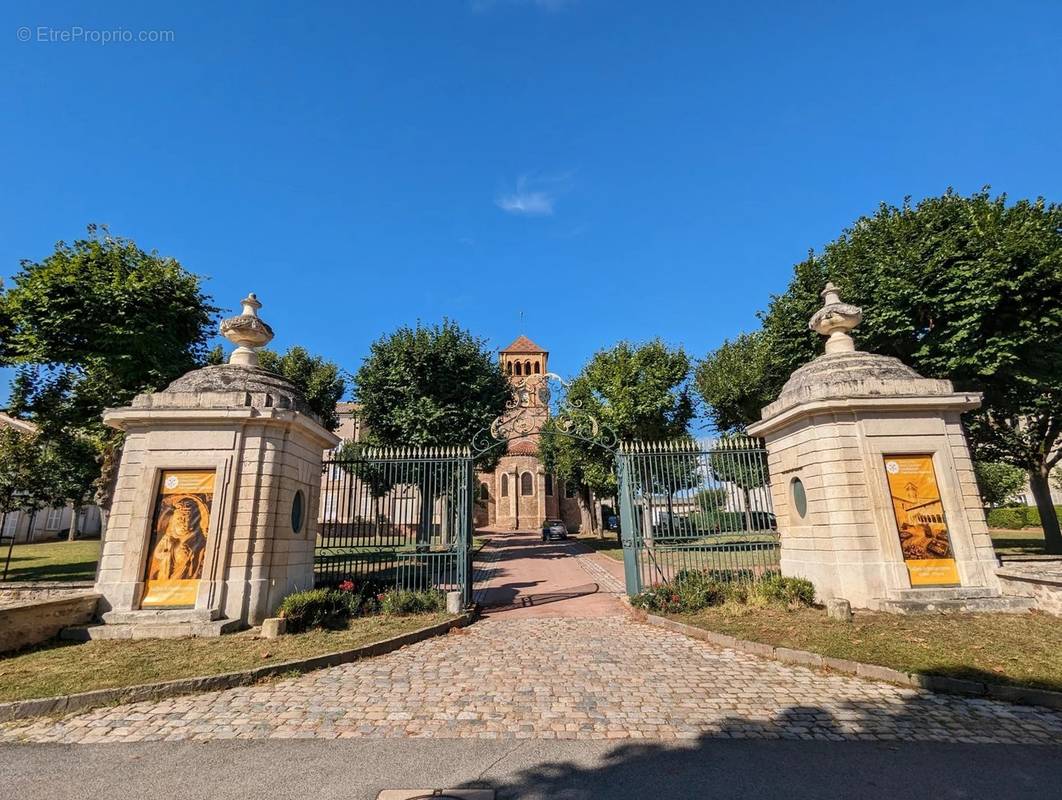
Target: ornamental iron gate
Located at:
point(704, 506)
point(397, 516)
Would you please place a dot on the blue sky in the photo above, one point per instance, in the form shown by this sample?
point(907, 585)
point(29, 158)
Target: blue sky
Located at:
point(612, 170)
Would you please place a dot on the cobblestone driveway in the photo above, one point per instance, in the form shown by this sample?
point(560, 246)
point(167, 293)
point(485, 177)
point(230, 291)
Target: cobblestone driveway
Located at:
point(560, 678)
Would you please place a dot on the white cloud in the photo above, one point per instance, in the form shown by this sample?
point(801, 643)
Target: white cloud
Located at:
point(534, 196)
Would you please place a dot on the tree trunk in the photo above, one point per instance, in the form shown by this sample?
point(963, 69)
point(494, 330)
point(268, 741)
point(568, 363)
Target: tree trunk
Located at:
point(71, 534)
point(748, 509)
point(1041, 490)
point(586, 510)
point(427, 507)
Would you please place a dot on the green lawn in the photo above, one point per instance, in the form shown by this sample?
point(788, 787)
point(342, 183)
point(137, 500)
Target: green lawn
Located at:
point(53, 561)
point(66, 667)
point(608, 546)
point(1020, 542)
point(1019, 649)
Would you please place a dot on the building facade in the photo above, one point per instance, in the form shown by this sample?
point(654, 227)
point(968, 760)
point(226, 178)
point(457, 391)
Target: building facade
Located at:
point(519, 494)
point(25, 526)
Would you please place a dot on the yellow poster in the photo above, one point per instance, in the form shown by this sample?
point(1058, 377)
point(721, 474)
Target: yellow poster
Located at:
point(920, 521)
point(178, 538)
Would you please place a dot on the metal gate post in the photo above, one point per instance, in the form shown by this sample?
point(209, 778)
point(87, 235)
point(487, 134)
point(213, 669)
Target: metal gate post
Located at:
point(628, 527)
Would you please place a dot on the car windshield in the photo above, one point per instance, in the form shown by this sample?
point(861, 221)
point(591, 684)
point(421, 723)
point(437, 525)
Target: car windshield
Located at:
point(554, 522)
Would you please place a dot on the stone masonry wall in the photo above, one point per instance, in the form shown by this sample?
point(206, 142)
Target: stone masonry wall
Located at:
point(34, 622)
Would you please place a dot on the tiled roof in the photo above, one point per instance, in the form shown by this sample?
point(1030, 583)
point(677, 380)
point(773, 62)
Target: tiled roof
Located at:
point(523, 345)
point(522, 448)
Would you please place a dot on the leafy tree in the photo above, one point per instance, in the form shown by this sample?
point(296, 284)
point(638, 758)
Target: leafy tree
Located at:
point(321, 382)
point(92, 325)
point(998, 482)
point(964, 288)
point(746, 469)
point(19, 467)
point(639, 392)
point(430, 386)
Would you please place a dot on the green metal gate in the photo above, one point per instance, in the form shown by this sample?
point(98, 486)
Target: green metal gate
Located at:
point(687, 505)
point(397, 516)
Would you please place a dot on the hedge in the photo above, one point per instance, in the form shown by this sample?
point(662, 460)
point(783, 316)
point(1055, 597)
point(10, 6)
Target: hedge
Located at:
point(1016, 517)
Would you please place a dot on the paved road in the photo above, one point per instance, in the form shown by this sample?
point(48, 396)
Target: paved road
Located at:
point(568, 678)
point(533, 770)
point(555, 694)
point(526, 577)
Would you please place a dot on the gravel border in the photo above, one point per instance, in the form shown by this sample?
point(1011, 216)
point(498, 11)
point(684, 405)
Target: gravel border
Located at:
point(65, 704)
point(916, 680)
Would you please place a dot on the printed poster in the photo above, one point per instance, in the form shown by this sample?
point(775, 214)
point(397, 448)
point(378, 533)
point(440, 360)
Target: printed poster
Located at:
point(920, 521)
point(179, 529)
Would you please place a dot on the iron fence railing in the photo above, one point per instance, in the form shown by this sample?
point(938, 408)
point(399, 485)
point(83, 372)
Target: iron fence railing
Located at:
point(397, 516)
point(688, 505)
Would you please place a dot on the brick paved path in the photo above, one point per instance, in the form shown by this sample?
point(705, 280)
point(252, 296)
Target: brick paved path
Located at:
point(608, 678)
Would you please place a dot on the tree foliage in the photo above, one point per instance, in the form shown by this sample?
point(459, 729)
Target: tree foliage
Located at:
point(999, 483)
point(640, 392)
point(430, 386)
point(89, 327)
point(964, 288)
point(320, 381)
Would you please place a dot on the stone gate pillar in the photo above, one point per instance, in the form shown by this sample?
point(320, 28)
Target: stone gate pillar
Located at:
point(872, 480)
point(214, 515)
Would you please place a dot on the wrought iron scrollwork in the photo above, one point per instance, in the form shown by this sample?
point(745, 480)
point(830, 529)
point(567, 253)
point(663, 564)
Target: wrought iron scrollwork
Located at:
point(528, 409)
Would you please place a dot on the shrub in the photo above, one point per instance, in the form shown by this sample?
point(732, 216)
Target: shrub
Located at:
point(412, 602)
point(329, 608)
point(693, 590)
point(774, 589)
point(315, 608)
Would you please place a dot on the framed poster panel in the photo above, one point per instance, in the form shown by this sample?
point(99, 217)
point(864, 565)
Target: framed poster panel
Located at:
point(177, 547)
point(920, 521)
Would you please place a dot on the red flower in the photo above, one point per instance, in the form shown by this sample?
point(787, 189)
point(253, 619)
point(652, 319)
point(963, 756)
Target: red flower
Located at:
point(346, 586)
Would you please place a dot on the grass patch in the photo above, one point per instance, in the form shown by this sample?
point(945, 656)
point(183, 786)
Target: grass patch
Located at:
point(1017, 649)
point(53, 561)
point(61, 668)
point(1022, 542)
point(608, 546)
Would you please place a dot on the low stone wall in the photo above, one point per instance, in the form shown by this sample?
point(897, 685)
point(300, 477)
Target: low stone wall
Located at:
point(17, 592)
point(1039, 580)
point(33, 622)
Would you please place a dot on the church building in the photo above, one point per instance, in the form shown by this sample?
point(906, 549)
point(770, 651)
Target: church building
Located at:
point(519, 494)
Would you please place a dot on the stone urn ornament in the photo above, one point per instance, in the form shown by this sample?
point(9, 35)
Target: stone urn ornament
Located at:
point(248, 332)
point(835, 319)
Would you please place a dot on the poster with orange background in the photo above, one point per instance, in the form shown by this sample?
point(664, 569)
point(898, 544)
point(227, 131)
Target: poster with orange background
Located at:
point(177, 547)
point(920, 521)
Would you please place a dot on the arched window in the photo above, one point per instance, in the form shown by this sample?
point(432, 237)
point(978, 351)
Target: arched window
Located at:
point(549, 485)
point(527, 484)
point(505, 484)
point(519, 370)
point(527, 368)
point(508, 367)
point(484, 492)
point(538, 368)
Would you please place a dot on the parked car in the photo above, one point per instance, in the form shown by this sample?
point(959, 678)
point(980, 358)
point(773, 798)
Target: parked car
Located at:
point(554, 529)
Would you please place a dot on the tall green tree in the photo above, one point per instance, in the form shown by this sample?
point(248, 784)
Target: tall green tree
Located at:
point(999, 483)
point(430, 386)
point(90, 326)
point(640, 392)
point(320, 381)
point(964, 288)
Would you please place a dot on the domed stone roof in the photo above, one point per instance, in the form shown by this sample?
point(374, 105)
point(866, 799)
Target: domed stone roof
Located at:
point(276, 390)
point(844, 372)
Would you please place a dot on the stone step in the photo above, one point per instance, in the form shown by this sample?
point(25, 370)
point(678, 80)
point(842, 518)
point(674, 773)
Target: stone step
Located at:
point(1001, 605)
point(150, 616)
point(944, 593)
point(151, 630)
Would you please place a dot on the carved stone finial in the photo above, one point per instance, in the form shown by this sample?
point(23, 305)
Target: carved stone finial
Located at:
point(835, 319)
point(248, 332)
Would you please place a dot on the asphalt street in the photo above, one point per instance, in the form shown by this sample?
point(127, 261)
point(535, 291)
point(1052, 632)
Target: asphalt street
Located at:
point(532, 769)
